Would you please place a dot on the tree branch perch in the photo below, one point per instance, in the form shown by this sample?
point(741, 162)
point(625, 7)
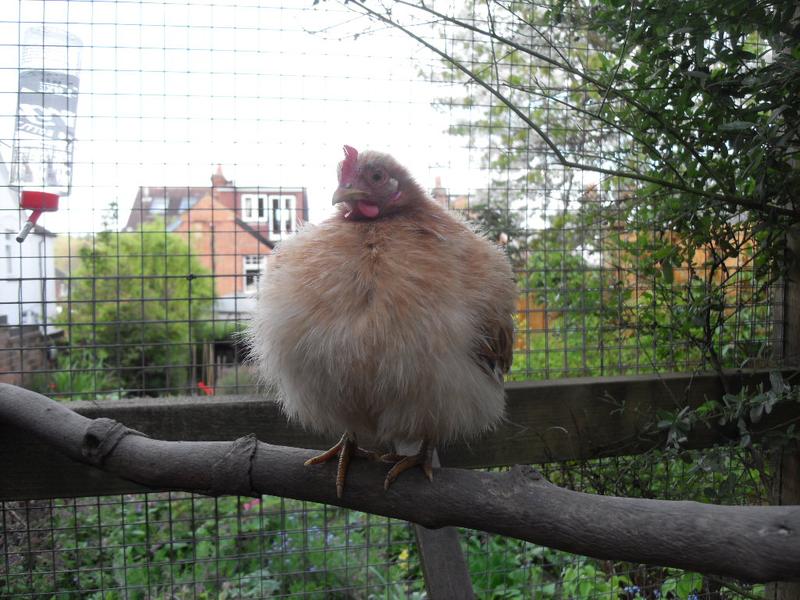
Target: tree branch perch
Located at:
point(756, 543)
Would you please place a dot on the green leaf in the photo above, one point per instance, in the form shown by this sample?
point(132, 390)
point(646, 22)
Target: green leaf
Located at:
point(736, 126)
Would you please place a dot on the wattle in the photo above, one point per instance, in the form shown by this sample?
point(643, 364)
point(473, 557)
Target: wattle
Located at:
point(364, 209)
point(368, 209)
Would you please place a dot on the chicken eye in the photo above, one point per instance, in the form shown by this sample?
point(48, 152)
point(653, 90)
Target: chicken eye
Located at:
point(377, 176)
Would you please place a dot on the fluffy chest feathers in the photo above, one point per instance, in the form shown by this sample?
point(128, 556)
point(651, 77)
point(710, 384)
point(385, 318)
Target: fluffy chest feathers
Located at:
point(381, 275)
point(381, 327)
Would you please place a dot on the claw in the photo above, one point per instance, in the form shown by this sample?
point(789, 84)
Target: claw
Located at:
point(423, 458)
point(345, 449)
point(325, 456)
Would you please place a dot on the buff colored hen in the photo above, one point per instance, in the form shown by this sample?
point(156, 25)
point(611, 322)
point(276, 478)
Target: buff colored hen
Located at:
point(391, 319)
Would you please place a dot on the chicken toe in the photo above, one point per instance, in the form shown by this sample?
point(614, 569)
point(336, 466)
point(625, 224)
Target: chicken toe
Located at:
point(423, 459)
point(345, 449)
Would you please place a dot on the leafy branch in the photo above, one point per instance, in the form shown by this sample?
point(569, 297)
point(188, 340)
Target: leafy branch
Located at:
point(737, 413)
point(694, 145)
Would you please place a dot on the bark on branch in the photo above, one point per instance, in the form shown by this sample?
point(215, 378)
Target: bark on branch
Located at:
point(756, 543)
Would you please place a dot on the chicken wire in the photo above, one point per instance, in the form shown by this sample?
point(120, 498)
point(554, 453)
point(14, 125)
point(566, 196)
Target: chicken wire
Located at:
point(206, 132)
point(203, 133)
point(175, 545)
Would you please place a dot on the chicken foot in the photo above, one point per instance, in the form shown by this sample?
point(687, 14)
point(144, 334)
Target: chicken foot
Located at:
point(423, 458)
point(346, 448)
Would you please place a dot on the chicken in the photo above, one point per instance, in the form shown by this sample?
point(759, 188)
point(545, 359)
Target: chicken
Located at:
point(391, 319)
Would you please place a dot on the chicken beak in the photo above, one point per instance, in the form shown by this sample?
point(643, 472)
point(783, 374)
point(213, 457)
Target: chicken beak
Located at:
point(343, 194)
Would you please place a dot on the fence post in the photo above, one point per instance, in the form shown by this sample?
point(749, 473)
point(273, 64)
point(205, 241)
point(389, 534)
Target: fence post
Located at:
point(443, 564)
point(786, 462)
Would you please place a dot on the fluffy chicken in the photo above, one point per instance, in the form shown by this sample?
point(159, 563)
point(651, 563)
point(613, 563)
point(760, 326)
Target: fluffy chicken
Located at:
point(391, 319)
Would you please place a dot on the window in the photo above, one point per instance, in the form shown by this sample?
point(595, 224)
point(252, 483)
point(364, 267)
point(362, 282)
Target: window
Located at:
point(158, 204)
point(283, 213)
point(30, 317)
point(186, 204)
point(276, 214)
point(254, 267)
point(288, 214)
point(253, 208)
point(277, 210)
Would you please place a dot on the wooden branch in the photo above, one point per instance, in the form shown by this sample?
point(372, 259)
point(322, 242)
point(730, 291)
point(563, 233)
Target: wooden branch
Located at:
point(546, 421)
point(757, 543)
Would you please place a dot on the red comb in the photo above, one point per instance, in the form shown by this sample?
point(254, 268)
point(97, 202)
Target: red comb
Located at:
point(348, 165)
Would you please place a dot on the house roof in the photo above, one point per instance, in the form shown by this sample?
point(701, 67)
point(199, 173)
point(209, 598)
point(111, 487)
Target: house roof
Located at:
point(167, 201)
point(254, 232)
point(172, 201)
point(164, 201)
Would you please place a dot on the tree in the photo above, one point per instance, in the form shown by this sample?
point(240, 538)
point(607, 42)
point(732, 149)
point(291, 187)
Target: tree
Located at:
point(703, 95)
point(139, 299)
point(689, 114)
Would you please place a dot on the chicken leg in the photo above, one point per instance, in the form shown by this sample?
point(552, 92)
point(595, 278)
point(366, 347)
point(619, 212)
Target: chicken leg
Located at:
point(346, 448)
point(423, 458)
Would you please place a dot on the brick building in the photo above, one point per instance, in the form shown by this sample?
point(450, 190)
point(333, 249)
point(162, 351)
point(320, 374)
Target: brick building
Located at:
point(24, 350)
point(230, 229)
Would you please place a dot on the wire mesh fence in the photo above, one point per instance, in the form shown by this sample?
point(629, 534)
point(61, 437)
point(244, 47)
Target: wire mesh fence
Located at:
point(180, 546)
point(175, 545)
point(138, 281)
point(188, 138)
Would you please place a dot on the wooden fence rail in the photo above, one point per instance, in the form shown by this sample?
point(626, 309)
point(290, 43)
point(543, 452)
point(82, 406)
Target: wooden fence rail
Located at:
point(755, 543)
point(546, 421)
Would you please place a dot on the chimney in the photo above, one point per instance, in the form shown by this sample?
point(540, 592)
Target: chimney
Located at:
point(439, 193)
point(218, 179)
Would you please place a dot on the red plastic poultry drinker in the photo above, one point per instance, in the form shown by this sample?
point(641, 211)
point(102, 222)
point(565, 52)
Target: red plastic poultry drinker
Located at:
point(38, 202)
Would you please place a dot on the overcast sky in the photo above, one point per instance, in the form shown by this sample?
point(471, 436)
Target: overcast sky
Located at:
point(170, 89)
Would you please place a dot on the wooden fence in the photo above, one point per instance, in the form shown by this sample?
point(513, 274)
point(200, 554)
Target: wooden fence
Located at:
point(569, 419)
